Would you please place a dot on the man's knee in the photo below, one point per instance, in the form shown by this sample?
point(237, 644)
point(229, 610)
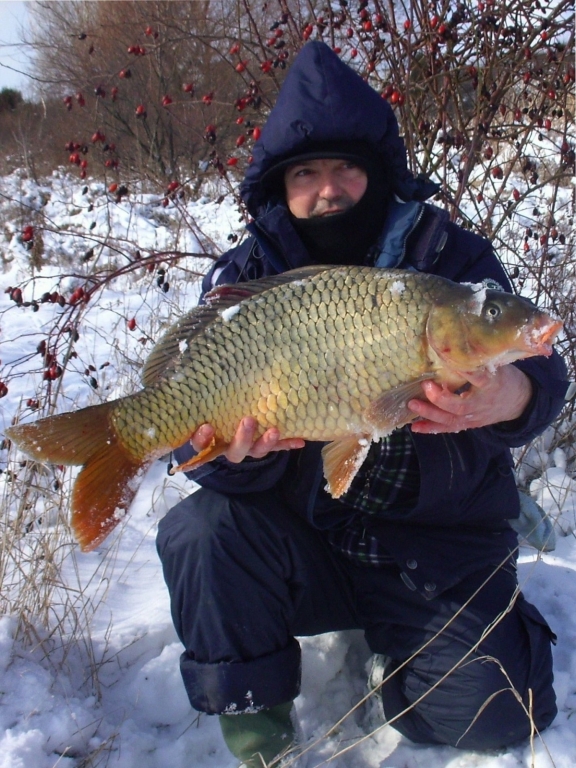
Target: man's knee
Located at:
point(473, 707)
point(196, 543)
point(478, 707)
point(487, 699)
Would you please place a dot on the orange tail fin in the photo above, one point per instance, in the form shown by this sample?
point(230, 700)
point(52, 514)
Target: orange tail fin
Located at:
point(109, 477)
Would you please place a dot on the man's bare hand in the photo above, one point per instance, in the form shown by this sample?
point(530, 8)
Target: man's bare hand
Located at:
point(244, 443)
point(490, 398)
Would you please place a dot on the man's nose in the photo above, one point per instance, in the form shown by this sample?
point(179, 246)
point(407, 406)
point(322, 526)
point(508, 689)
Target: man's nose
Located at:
point(330, 186)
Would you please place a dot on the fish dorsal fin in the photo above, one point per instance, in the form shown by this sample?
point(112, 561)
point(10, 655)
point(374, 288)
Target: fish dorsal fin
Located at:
point(165, 355)
point(227, 295)
point(163, 359)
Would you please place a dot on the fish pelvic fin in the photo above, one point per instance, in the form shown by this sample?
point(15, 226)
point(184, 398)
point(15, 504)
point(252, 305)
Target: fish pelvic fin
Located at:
point(216, 448)
point(108, 480)
point(342, 459)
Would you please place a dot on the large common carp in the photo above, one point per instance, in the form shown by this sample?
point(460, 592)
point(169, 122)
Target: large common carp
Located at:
point(323, 353)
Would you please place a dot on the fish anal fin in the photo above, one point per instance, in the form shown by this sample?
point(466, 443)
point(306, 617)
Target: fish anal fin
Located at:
point(212, 451)
point(390, 409)
point(342, 459)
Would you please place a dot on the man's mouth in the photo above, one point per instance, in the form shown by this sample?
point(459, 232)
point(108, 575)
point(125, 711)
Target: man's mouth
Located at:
point(332, 212)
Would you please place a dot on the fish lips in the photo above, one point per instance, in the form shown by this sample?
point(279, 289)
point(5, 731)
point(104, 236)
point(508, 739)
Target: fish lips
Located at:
point(543, 335)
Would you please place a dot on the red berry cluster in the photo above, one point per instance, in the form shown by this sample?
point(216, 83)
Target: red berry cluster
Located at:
point(171, 190)
point(76, 150)
point(52, 369)
point(27, 234)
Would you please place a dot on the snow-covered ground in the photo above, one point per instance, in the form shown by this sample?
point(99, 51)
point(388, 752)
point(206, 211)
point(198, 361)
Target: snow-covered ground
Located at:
point(103, 688)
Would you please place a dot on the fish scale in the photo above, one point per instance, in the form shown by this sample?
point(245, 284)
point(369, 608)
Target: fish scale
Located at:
point(333, 301)
point(329, 354)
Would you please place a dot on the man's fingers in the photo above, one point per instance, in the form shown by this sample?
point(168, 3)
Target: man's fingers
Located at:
point(490, 397)
point(481, 378)
point(242, 441)
point(434, 413)
point(268, 443)
point(443, 398)
point(202, 437)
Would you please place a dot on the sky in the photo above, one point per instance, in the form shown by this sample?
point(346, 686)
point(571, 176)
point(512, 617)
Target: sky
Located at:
point(12, 17)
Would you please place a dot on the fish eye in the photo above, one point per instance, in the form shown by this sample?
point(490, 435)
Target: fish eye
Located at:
point(492, 311)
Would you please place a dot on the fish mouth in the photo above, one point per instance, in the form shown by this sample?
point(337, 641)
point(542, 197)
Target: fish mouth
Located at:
point(543, 336)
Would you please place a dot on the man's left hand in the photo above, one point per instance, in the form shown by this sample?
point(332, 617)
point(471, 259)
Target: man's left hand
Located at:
point(490, 397)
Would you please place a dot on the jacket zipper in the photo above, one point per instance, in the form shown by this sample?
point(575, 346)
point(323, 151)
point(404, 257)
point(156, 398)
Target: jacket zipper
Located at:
point(415, 223)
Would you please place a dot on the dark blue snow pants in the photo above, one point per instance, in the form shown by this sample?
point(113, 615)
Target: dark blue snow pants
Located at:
point(246, 576)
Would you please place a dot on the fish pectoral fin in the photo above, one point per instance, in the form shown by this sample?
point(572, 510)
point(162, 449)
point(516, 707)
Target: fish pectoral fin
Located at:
point(342, 459)
point(390, 410)
point(216, 448)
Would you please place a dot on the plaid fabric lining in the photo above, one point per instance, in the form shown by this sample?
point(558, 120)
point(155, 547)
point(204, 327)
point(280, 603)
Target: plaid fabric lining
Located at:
point(389, 479)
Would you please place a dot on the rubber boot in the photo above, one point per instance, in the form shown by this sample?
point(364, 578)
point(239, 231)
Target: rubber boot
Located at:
point(257, 738)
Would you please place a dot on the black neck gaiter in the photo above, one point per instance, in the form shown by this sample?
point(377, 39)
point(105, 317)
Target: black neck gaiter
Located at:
point(345, 238)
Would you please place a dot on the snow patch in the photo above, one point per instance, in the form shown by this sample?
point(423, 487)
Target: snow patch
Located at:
point(228, 313)
point(397, 288)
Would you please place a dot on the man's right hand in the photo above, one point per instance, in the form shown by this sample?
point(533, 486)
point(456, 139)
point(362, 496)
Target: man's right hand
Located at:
point(244, 444)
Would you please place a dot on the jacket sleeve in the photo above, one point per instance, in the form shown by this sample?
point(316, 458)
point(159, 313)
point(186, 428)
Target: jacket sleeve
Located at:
point(548, 375)
point(229, 268)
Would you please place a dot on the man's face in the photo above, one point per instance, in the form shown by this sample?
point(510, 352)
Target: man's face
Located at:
point(323, 187)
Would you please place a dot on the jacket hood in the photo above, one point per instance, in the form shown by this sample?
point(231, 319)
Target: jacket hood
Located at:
point(323, 100)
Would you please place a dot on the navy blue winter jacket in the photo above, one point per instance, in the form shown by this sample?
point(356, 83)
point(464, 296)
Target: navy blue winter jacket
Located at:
point(467, 489)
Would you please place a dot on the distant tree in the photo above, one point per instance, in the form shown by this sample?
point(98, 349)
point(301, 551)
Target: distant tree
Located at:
point(9, 99)
point(474, 84)
point(154, 78)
